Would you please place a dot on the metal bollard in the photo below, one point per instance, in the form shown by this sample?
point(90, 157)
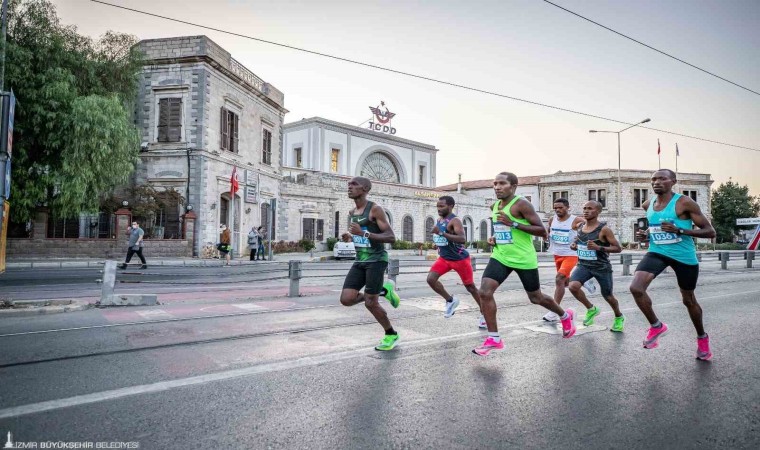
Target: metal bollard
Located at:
point(474, 264)
point(750, 256)
point(393, 270)
point(109, 281)
point(723, 260)
point(627, 260)
point(294, 273)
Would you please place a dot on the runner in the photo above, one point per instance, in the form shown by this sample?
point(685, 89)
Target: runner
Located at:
point(594, 243)
point(562, 230)
point(671, 219)
point(514, 223)
point(448, 236)
point(369, 231)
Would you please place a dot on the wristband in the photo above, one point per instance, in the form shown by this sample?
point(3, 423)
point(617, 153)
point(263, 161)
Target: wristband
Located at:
point(366, 234)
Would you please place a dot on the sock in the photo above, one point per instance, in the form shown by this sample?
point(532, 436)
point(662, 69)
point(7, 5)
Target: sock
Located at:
point(565, 316)
point(592, 307)
point(383, 292)
point(390, 331)
point(702, 336)
point(451, 299)
point(494, 335)
point(657, 324)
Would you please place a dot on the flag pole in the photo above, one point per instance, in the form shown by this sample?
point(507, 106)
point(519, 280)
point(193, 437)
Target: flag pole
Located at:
point(676, 160)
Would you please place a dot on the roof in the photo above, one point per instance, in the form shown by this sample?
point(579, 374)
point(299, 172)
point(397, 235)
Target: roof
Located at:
point(315, 121)
point(484, 184)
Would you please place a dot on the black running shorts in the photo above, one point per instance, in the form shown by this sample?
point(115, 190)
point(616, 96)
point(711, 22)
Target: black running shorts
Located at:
point(686, 274)
point(582, 274)
point(499, 273)
point(367, 275)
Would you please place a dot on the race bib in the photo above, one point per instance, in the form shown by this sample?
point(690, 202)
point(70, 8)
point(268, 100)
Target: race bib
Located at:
point(502, 233)
point(660, 237)
point(561, 237)
point(440, 240)
point(361, 241)
point(586, 254)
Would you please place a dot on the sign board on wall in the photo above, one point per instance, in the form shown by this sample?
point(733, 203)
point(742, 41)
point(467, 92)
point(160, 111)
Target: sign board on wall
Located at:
point(250, 177)
point(250, 194)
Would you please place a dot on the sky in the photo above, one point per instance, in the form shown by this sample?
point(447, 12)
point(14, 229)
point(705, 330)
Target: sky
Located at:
point(520, 48)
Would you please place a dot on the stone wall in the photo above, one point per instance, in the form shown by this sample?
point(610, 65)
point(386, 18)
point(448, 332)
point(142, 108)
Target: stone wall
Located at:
point(95, 248)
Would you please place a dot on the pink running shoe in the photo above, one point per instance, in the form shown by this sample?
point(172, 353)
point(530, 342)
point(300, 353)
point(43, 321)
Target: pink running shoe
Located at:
point(653, 335)
point(488, 345)
point(568, 327)
point(703, 349)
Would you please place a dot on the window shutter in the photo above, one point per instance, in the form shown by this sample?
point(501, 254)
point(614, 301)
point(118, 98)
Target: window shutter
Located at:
point(163, 120)
point(320, 230)
point(234, 132)
point(175, 119)
point(224, 127)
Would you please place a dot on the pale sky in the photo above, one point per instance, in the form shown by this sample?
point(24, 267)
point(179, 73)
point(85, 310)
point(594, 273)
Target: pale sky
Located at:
point(522, 48)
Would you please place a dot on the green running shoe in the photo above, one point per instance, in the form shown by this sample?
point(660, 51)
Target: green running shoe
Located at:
point(617, 325)
point(390, 293)
point(590, 314)
point(389, 341)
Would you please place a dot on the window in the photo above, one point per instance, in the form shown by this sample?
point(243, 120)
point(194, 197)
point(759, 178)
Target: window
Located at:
point(408, 231)
point(313, 229)
point(429, 224)
point(483, 230)
point(63, 228)
point(692, 194)
point(334, 156)
point(266, 151)
point(599, 195)
point(467, 225)
point(422, 177)
point(639, 197)
point(337, 224)
point(378, 166)
point(298, 156)
point(560, 194)
point(169, 119)
point(229, 129)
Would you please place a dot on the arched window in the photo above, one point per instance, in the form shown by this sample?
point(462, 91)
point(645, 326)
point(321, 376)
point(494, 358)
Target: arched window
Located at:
point(483, 230)
point(408, 229)
point(467, 224)
point(378, 166)
point(429, 223)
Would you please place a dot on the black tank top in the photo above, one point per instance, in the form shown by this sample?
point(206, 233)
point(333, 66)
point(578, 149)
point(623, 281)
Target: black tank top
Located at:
point(593, 259)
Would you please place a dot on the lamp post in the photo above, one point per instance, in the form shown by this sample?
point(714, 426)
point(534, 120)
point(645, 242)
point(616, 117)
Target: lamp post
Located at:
point(619, 183)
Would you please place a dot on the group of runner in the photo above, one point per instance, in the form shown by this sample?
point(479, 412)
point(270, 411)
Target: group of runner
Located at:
point(580, 245)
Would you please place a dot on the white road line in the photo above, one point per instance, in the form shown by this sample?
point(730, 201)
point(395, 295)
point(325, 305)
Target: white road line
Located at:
point(308, 361)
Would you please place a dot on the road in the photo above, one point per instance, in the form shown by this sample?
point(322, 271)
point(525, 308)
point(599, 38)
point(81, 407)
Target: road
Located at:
point(276, 372)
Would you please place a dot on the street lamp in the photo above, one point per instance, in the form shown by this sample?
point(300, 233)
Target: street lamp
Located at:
point(620, 185)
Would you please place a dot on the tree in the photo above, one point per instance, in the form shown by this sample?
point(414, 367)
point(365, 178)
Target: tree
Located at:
point(729, 202)
point(74, 136)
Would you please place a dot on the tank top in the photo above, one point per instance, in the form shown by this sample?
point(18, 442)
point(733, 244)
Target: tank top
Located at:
point(593, 259)
point(366, 250)
point(561, 235)
point(672, 245)
point(514, 248)
point(448, 250)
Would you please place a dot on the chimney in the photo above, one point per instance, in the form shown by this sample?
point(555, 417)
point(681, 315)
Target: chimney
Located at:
point(459, 184)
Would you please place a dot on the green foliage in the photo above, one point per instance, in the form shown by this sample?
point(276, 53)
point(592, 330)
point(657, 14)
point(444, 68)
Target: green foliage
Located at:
point(306, 244)
point(290, 247)
point(401, 245)
point(729, 202)
point(725, 246)
point(483, 245)
point(331, 241)
point(74, 140)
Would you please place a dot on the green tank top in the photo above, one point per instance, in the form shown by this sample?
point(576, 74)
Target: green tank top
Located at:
point(514, 248)
point(366, 250)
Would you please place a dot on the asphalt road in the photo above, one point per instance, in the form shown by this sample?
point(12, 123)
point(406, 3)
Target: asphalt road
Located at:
point(275, 372)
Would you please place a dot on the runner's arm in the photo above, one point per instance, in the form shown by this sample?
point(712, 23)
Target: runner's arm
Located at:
point(385, 235)
point(704, 227)
point(578, 222)
point(536, 227)
point(608, 236)
point(458, 235)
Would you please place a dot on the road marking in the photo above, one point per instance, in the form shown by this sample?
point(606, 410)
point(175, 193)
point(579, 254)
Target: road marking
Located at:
point(154, 314)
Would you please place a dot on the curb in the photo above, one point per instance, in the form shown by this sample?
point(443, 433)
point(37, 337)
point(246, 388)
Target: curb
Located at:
point(44, 310)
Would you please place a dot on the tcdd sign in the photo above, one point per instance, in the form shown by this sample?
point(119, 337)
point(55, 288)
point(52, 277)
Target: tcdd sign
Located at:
point(382, 120)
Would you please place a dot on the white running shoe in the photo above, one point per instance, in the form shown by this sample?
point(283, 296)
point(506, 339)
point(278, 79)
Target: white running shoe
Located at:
point(451, 307)
point(482, 322)
point(551, 317)
point(590, 286)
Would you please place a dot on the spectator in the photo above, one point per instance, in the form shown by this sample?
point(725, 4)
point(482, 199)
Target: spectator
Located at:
point(253, 242)
point(262, 236)
point(224, 246)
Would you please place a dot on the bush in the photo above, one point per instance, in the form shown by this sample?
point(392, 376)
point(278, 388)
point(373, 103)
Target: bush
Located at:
point(331, 241)
point(287, 247)
point(483, 245)
point(401, 245)
point(724, 246)
point(306, 244)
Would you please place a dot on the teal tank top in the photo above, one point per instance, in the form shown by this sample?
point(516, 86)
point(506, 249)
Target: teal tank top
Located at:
point(675, 246)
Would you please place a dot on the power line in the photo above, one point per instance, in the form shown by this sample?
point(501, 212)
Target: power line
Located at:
point(652, 48)
point(420, 77)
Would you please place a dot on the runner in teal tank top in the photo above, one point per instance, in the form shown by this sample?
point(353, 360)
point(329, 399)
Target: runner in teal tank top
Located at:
point(672, 218)
point(514, 223)
point(369, 230)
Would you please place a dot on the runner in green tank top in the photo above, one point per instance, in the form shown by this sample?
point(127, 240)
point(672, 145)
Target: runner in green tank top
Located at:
point(369, 231)
point(515, 222)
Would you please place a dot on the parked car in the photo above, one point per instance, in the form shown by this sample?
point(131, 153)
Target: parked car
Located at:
point(344, 250)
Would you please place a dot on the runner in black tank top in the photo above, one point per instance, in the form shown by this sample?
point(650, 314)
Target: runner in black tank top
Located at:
point(594, 243)
point(448, 235)
point(369, 231)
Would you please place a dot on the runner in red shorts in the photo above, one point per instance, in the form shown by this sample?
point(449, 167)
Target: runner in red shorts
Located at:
point(449, 237)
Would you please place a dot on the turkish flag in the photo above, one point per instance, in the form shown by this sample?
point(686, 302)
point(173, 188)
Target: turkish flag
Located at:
point(234, 185)
point(658, 146)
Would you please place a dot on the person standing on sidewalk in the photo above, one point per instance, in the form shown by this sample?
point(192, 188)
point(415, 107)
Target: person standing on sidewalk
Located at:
point(224, 247)
point(135, 244)
point(262, 235)
point(253, 242)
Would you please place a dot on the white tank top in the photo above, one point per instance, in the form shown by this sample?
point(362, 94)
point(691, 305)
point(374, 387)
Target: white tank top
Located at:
point(561, 235)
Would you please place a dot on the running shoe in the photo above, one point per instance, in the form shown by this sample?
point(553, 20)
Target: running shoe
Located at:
point(482, 323)
point(568, 327)
point(551, 317)
point(590, 314)
point(617, 325)
point(590, 286)
point(653, 335)
point(390, 293)
point(389, 341)
point(488, 345)
point(451, 307)
point(703, 349)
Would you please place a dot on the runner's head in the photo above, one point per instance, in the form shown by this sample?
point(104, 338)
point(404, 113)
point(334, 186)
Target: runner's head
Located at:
point(505, 185)
point(445, 205)
point(663, 181)
point(358, 187)
point(591, 210)
point(561, 207)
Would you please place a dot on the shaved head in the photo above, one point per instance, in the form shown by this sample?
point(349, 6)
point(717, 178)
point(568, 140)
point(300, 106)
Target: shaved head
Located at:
point(364, 182)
